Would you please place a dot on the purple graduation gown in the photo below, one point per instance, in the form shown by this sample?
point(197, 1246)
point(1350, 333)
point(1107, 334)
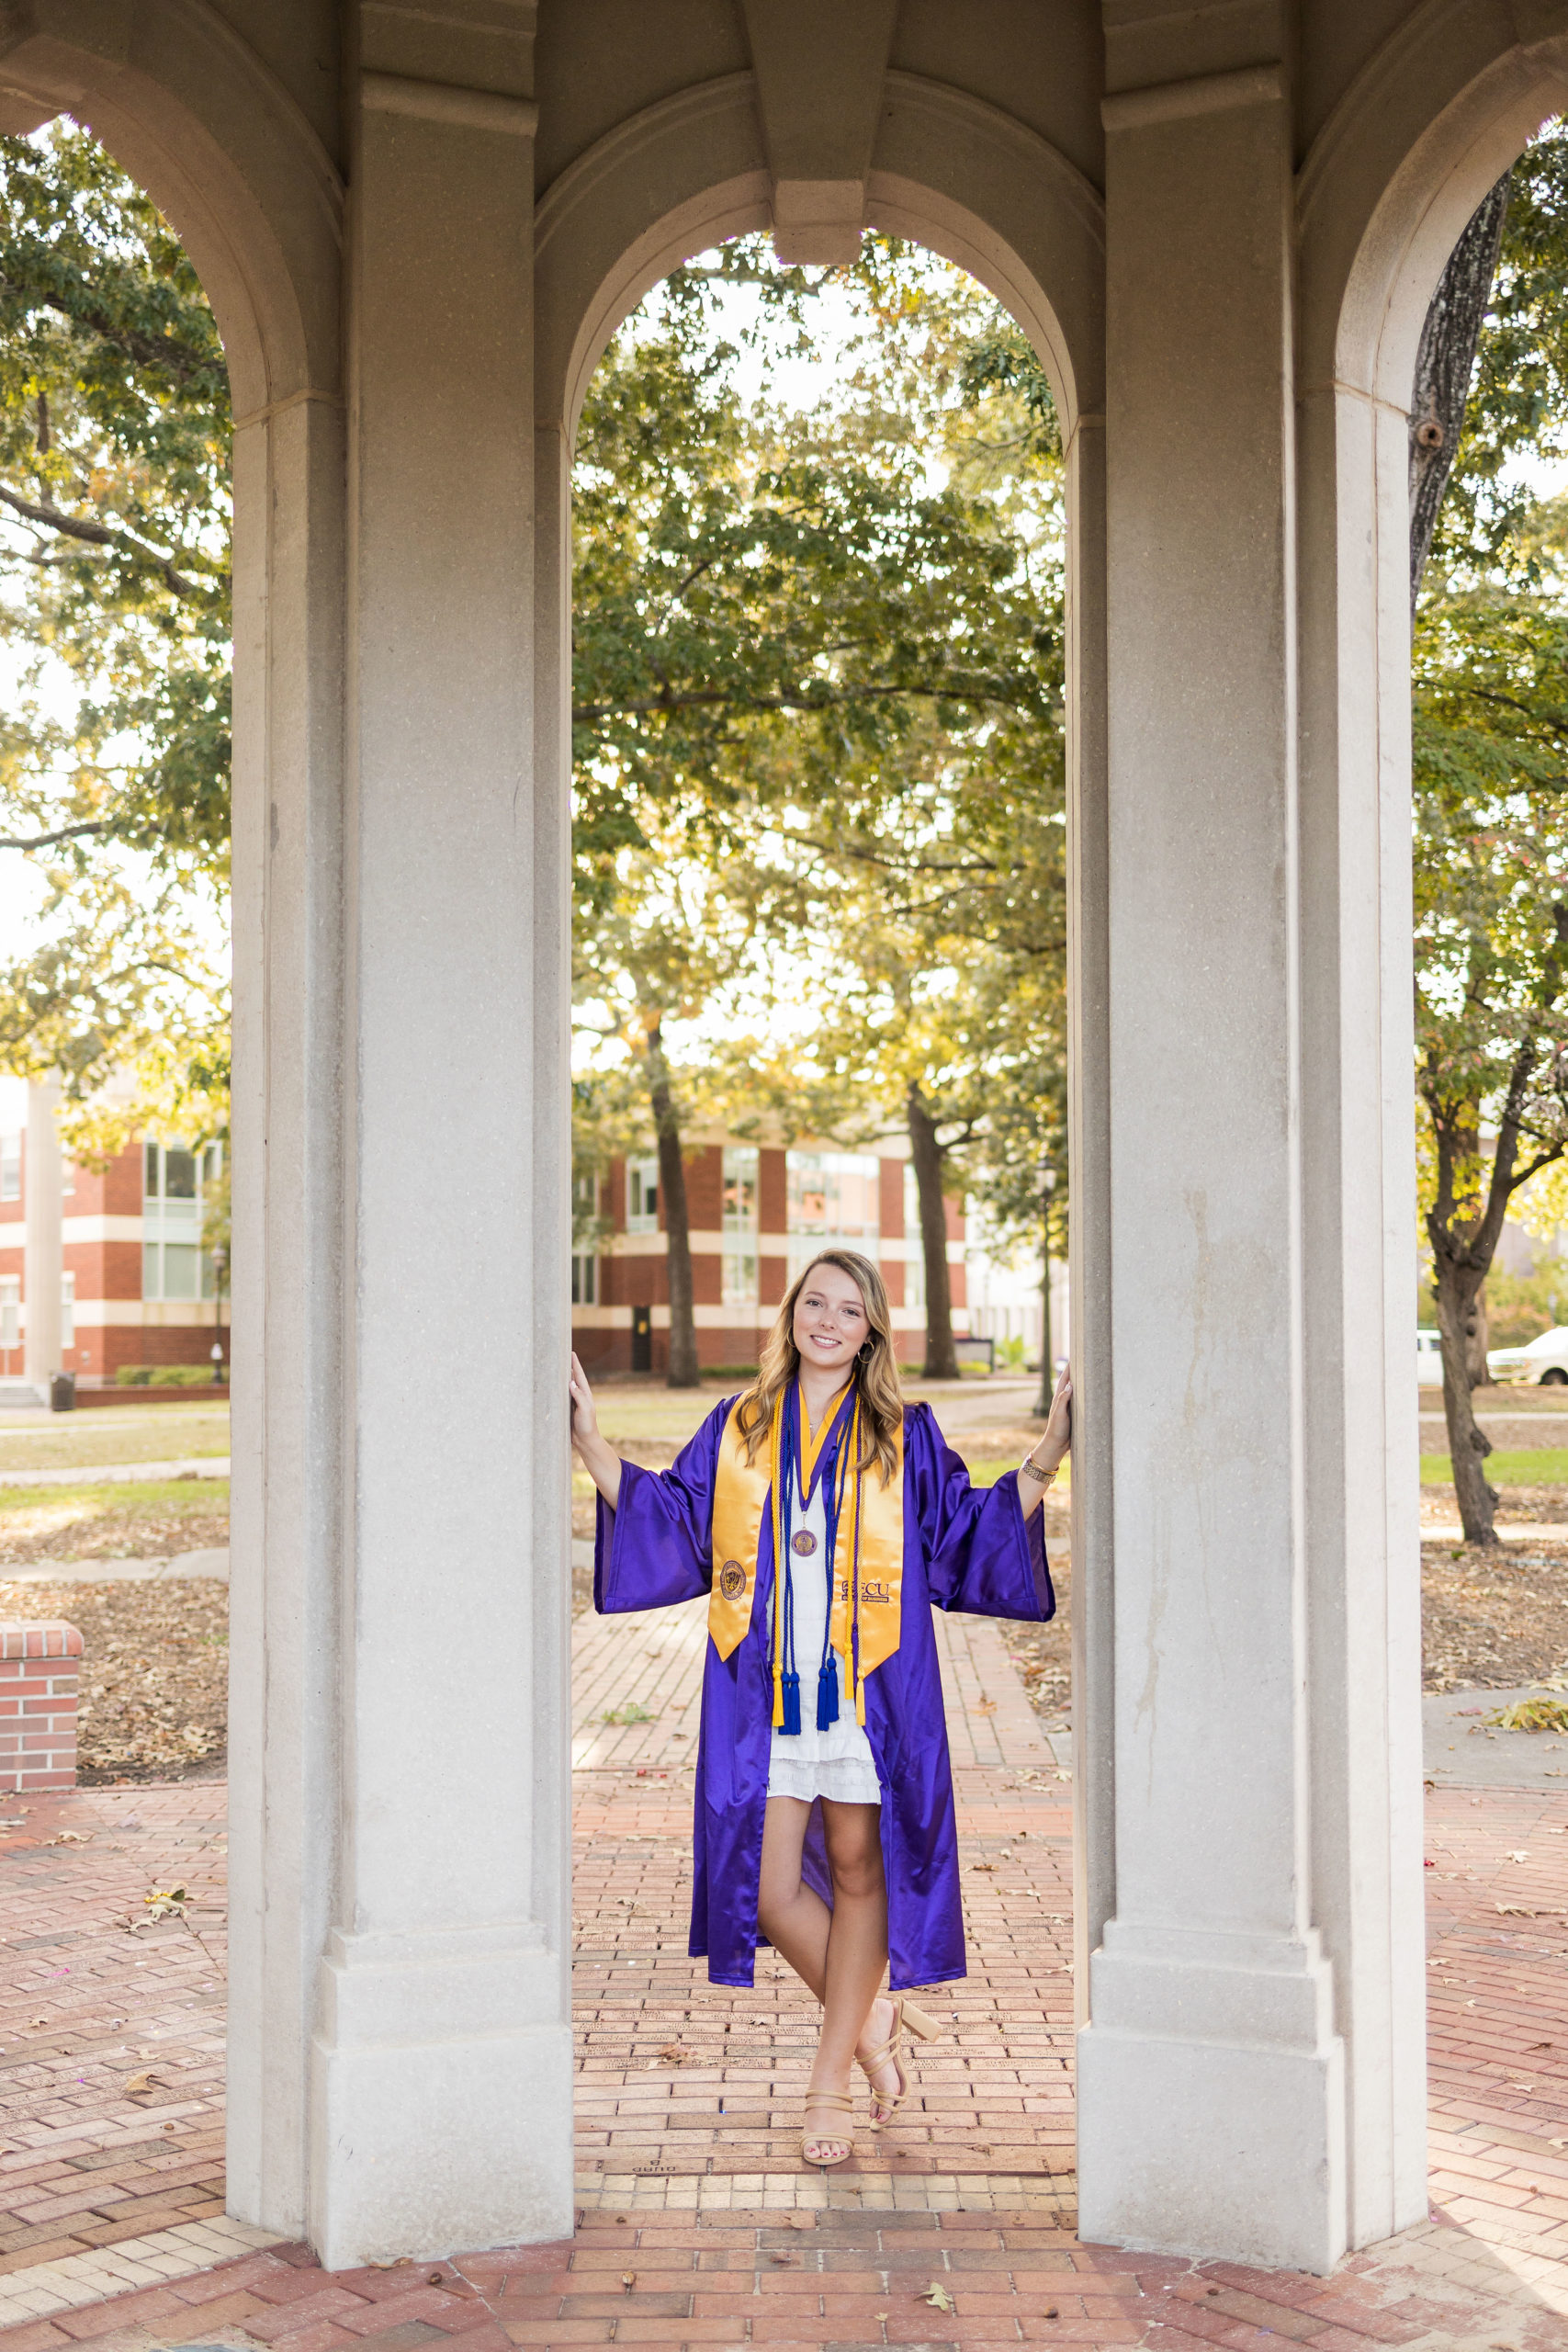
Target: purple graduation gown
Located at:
point(965, 1547)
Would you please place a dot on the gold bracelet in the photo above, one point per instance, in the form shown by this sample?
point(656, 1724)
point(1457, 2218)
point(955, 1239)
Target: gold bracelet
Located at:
point(1030, 1467)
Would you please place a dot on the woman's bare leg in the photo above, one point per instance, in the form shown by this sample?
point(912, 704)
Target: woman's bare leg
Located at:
point(792, 1915)
point(840, 1953)
point(856, 2016)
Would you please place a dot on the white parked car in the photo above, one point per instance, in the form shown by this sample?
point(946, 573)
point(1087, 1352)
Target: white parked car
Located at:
point(1428, 1358)
point(1543, 1364)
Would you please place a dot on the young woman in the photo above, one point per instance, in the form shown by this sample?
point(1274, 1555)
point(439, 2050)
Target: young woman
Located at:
point(824, 1810)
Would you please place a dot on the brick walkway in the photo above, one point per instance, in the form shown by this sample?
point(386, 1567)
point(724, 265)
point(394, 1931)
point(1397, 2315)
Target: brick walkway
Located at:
point(697, 2223)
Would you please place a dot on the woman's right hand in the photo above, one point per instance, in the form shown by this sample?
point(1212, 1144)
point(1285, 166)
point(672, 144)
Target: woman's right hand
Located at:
point(584, 1415)
point(601, 1462)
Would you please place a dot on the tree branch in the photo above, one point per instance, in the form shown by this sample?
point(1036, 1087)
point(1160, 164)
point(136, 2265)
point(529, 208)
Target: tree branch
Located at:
point(99, 534)
point(43, 840)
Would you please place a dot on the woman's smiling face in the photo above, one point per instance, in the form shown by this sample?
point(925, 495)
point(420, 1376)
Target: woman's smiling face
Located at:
point(831, 1320)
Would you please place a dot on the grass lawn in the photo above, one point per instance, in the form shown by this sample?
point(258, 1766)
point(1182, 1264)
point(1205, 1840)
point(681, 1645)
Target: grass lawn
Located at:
point(111, 1523)
point(1535, 1465)
point(140, 1433)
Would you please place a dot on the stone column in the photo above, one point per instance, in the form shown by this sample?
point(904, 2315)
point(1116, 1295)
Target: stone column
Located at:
point(1213, 2073)
point(440, 2096)
point(43, 1254)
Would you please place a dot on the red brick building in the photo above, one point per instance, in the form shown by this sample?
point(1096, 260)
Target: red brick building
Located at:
point(135, 1284)
point(757, 1216)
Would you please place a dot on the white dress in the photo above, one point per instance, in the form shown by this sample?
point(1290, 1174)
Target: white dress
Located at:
point(838, 1762)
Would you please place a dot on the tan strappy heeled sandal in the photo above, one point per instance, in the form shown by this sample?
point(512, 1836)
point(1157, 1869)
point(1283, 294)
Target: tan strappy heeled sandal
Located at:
point(827, 2098)
point(907, 2019)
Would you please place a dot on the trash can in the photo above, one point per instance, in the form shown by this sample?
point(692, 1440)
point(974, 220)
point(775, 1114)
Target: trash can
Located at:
point(63, 1393)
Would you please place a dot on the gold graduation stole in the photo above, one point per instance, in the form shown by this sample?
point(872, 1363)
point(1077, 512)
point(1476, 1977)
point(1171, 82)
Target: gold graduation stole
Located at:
point(868, 1559)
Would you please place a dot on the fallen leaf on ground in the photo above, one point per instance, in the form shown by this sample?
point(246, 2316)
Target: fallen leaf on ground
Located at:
point(673, 2055)
point(936, 2294)
point(139, 2083)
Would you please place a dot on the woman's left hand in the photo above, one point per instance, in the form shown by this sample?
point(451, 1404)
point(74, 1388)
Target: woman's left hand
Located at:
point(1057, 1443)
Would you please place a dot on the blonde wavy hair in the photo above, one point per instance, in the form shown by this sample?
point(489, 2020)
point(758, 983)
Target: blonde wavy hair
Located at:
point(875, 1371)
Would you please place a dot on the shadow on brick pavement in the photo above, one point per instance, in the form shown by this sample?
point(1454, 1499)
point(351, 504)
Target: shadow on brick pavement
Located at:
point(696, 2224)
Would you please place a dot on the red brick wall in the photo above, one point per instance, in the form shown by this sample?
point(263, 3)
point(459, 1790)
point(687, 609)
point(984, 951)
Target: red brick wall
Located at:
point(161, 1343)
point(890, 1199)
point(40, 1668)
point(122, 1183)
point(705, 1189)
point(601, 1351)
point(772, 1192)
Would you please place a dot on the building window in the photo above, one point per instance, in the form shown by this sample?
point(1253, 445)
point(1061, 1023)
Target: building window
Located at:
point(642, 1197)
point(738, 1239)
point(10, 1168)
point(10, 1313)
point(915, 1263)
point(831, 1199)
point(174, 1264)
point(67, 1310)
point(586, 1236)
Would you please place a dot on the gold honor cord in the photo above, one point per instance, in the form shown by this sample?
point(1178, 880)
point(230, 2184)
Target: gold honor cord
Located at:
point(868, 1558)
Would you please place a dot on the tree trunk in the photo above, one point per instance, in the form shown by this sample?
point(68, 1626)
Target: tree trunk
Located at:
point(925, 1151)
point(1444, 365)
point(1457, 1286)
point(682, 1372)
point(1477, 1341)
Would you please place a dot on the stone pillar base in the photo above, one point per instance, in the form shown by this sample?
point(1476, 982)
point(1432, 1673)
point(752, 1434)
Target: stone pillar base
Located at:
point(1210, 2095)
point(433, 2135)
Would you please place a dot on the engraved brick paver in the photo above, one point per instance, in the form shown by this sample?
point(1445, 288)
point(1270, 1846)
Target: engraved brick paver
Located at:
point(697, 2223)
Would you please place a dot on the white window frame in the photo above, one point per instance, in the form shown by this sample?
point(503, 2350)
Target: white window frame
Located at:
point(642, 1178)
point(584, 1262)
point(10, 1312)
point(10, 1167)
point(67, 1310)
point(178, 1222)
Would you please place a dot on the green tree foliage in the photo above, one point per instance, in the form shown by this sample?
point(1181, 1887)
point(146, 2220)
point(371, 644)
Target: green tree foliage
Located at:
point(115, 610)
point(1491, 876)
point(1491, 700)
point(114, 488)
point(816, 655)
point(1518, 400)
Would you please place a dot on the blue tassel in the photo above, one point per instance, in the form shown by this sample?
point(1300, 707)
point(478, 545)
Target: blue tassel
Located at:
point(827, 1695)
point(791, 1704)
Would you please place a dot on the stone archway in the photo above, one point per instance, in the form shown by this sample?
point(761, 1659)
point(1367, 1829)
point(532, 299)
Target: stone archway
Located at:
point(1026, 224)
point(1247, 1820)
point(1429, 125)
point(228, 152)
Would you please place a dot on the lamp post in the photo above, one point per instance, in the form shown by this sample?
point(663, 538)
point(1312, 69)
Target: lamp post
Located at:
point(220, 1266)
point(1048, 1368)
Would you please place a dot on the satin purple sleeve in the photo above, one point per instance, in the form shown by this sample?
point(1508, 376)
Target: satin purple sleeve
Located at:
point(982, 1555)
point(655, 1547)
